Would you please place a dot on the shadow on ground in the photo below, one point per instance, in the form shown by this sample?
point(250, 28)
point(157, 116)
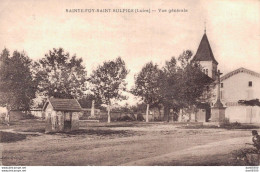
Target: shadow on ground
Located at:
point(97, 132)
point(6, 137)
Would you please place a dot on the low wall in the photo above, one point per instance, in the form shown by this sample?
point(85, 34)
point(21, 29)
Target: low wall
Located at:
point(243, 114)
point(17, 115)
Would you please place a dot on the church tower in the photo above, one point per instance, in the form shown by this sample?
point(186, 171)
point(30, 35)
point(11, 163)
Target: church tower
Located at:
point(206, 58)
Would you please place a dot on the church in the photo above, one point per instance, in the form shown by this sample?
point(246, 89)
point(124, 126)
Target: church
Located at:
point(236, 86)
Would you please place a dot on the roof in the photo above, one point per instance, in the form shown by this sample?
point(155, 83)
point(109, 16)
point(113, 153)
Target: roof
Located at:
point(63, 104)
point(204, 52)
point(240, 70)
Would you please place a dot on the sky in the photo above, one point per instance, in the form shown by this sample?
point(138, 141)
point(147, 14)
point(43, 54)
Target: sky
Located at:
point(232, 27)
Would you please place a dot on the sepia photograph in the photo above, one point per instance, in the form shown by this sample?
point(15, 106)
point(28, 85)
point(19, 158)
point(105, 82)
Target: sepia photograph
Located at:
point(129, 83)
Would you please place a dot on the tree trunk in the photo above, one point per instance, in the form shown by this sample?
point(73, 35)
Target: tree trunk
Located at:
point(190, 111)
point(147, 113)
point(160, 115)
point(108, 114)
point(7, 116)
point(166, 113)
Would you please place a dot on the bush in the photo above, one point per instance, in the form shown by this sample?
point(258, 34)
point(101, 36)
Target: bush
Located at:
point(241, 155)
point(140, 117)
point(125, 118)
point(30, 116)
point(158, 119)
point(226, 121)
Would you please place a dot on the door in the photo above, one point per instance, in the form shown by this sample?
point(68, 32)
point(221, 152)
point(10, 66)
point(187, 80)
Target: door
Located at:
point(67, 121)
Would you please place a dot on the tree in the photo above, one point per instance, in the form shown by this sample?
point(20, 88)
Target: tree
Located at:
point(60, 75)
point(168, 85)
point(17, 86)
point(147, 86)
point(108, 82)
point(86, 101)
point(183, 84)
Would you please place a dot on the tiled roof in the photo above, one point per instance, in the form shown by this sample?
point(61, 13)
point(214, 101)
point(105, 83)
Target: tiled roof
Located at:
point(204, 52)
point(65, 104)
point(240, 70)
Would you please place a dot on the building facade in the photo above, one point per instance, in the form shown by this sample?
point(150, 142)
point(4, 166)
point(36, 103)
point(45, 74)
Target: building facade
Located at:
point(240, 84)
point(61, 115)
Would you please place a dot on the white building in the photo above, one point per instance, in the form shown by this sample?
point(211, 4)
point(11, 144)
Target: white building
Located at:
point(240, 84)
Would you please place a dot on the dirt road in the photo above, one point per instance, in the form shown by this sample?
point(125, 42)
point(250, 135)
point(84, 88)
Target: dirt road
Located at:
point(139, 144)
point(196, 155)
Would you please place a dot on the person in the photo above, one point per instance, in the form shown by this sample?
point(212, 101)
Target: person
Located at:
point(256, 140)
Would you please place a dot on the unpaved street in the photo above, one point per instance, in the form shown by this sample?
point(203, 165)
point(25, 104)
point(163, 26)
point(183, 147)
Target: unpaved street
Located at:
point(137, 144)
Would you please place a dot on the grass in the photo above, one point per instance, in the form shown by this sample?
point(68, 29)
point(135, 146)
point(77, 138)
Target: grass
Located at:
point(103, 133)
point(240, 155)
point(230, 126)
point(6, 137)
point(25, 125)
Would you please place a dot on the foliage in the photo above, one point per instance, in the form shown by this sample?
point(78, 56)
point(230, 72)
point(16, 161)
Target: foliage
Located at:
point(254, 102)
point(138, 108)
point(108, 80)
point(125, 118)
point(86, 101)
point(147, 84)
point(183, 85)
point(193, 82)
point(17, 86)
point(140, 117)
point(60, 75)
point(241, 155)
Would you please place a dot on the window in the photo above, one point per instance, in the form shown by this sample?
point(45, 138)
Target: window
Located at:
point(207, 71)
point(250, 84)
point(203, 70)
point(221, 85)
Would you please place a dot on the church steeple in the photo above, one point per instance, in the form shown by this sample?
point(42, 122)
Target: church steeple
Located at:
point(204, 52)
point(205, 57)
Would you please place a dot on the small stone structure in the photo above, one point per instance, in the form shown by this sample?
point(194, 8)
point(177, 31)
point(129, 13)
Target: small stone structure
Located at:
point(61, 115)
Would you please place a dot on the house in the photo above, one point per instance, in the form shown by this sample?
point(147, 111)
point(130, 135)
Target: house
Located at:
point(240, 84)
point(61, 115)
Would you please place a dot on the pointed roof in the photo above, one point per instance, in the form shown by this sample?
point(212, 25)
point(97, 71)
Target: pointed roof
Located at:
point(63, 104)
point(204, 52)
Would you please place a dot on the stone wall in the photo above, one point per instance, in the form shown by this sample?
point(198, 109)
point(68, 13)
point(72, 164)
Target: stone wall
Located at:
point(55, 121)
point(243, 114)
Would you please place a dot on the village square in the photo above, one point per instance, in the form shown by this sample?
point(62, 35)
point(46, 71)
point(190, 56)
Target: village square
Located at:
point(182, 108)
point(138, 135)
